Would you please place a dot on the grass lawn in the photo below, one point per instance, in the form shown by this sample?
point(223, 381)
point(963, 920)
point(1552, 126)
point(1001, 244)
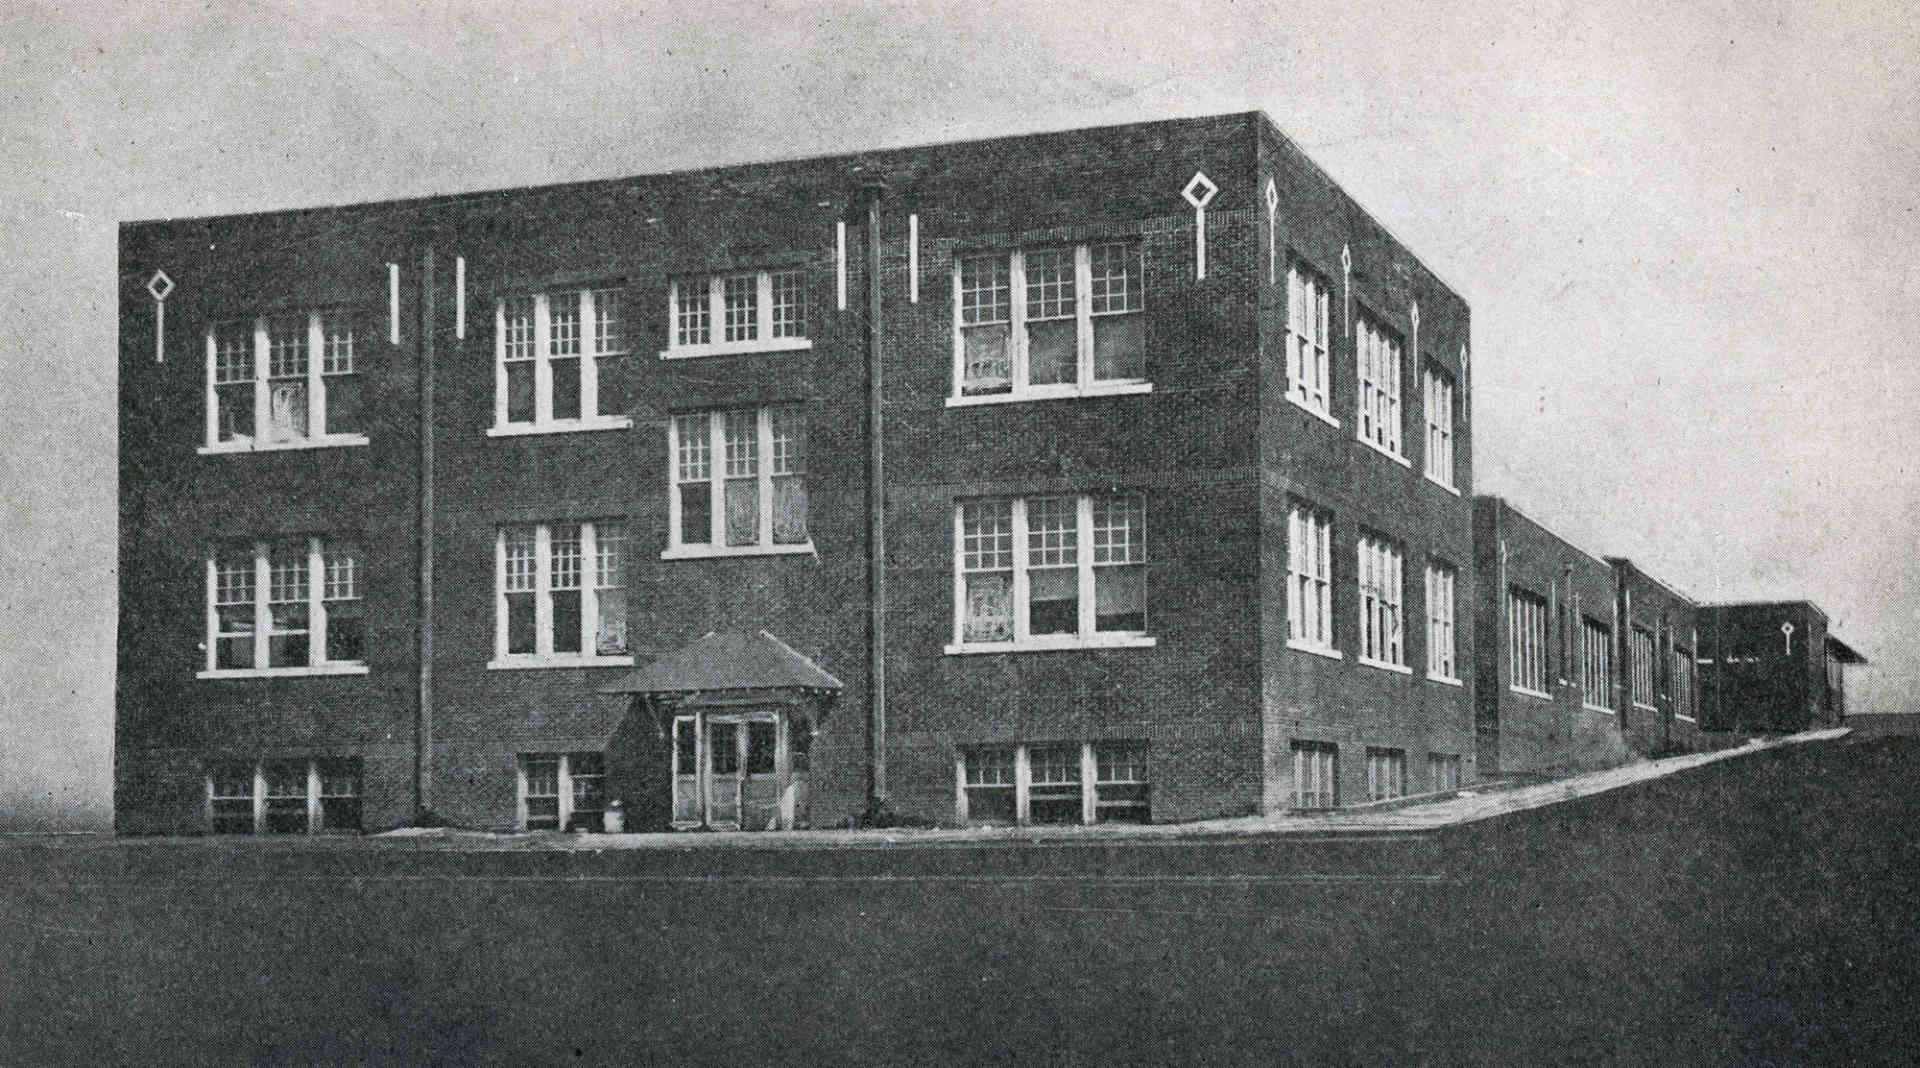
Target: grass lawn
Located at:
point(1760, 910)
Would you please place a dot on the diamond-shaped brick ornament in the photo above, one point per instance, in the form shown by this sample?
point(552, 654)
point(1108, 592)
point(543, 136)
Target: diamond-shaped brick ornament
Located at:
point(1414, 314)
point(160, 285)
point(1273, 195)
point(1199, 190)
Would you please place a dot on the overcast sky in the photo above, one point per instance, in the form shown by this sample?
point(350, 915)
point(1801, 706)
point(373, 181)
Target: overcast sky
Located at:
point(1687, 232)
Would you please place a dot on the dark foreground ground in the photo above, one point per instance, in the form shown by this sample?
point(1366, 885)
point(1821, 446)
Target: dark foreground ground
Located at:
point(1760, 910)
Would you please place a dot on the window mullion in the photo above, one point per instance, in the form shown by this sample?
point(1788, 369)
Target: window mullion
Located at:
point(313, 797)
point(213, 392)
point(589, 589)
point(262, 614)
point(959, 573)
point(1083, 314)
point(543, 589)
point(259, 799)
point(542, 368)
point(763, 445)
point(500, 362)
point(589, 351)
point(316, 603)
point(499, 593)
point(1022, 783)
point(1017, 318)
point(262, 395)
point(1020, 628)
point(1083, 554)
point(673, 480)
point(316, 380)
point(717, 309)
point(1089, 774)
point(959, 344)
point(763, 306)
point(563, 805)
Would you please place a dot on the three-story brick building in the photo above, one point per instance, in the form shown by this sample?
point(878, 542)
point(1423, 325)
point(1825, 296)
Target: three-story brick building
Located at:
point(1113, 474)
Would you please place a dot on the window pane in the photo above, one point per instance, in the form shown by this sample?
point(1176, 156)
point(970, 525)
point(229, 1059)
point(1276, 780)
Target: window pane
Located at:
point(1050, 284)
point(609, 321)
point(517, 327)
point(988, 361)
point(692, 325)
point(1051, 352)
point(1119, 530)
point(233, 411)
point(563, 324)
point(986, 529)
point(989, 607)
point(789, 439)
point(790, 510)
point(1120, 347)
point(233, 353)
point(566, 388)
point(610, 633)
point(520, 637)
point(286, 796)
point(346, 631)
point(235, 644)
point(789, 305)
point(1053, 599)
point(287, 409)
point(1115, 271)
point(564, 552)
point(520, 392)
point(985, 290)
point(684, 741)
point(742, 318)
point(724, 747)
point(743, 511)
point(760, 747)
point(1120, 598)
point(344, 403)
point(696, 513)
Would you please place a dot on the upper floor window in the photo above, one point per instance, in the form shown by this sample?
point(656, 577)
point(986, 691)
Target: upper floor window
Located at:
point(561, 594)
point(1308, 381)
point(1527, 642)
point(739, 482)
point(1439, 406)
point(293, 606)
point(1596, 674)
point(1310, 578)
point(1381, 573)
point(1440, 620)
point(283, 381)
point(1052, 322)
point(1050, 573)
point(547, 348)
point(1642, 667)
point(1378, 356)
point(754, 311)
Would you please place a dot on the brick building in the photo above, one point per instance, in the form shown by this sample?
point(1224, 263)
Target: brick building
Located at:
point(1120, 473)
point(1656, 648)
point(1771, 666)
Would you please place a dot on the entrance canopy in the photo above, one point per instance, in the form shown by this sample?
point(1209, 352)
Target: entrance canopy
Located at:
point(1843, 652)
point(729, 661)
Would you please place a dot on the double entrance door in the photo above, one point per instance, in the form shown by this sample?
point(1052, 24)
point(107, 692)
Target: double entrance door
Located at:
point(739, 769)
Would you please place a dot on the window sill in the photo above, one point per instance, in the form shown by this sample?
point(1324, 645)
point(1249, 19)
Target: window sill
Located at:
point(1645, 707)
point(1323, 416)
point(715, 552)
point(1455, 490)
point(560, 426)
point(329, 441)
point(1596, 708)
point(1446, 680)
point(1054, 645)
point(736, 348)
point(1386, 452)
point(1525, 692)
point(557, 660)
point(1685, 719)
point(283, 673)
point(1398, 669)
point(1044, 393)
point(1327, 651)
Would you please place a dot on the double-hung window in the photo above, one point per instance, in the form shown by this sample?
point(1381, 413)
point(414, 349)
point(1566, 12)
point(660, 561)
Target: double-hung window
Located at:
point(547, 353)
point(721, 314)
point(1681, 670)
point(1309, 383)
point(1440, 623)
point(1309, 579)
point(291, 606)
point(283, 381)
point(1316, 779)
point(562, 598)
point(1381, 573)
point(1377, 350)
point(1386, 774)
point(1060, 782)
point(287, 796)
point(738, 484)
point(1439, 407)
point(1643, 668)
point(1049, 322)
point(1050, 573)
point(1526, 642)
point(1596, 664)
point(1443, 771)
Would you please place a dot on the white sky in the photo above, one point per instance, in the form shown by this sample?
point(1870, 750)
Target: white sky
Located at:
point(1686, 231)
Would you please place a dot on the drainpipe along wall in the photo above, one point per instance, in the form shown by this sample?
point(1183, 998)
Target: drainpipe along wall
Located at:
point(423, 742)
point(871, 194)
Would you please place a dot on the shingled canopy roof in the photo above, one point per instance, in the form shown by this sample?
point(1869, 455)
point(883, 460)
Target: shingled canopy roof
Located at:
point(728, 661)
point(1843, 652)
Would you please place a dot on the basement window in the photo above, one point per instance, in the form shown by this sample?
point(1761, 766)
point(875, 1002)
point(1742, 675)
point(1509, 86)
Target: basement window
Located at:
point(562, 791)
point(1316, 779)
point(285, 796)
point(1386, 773)
point(284, 381)
point(1055, 782)
point(1038, 323)
point(1443, 771)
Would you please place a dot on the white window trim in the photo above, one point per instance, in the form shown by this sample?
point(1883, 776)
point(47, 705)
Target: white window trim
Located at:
point(1606, 666)
point(1525, 692)
point(543, 655)
point(316, 795)
point(590, 418)
point(1024, 642)
point(1329, 653)
point(1300, 281)
point(716, 486)
point(1391, 554)
point(1451, 623)
point(1361, 388)
point(262, 392)
point(1436, 382)
point(763, 340)
point(564, 801)
point(1303, 516)
point(316, 601)
point(1084, 384)
point(1514, 644)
